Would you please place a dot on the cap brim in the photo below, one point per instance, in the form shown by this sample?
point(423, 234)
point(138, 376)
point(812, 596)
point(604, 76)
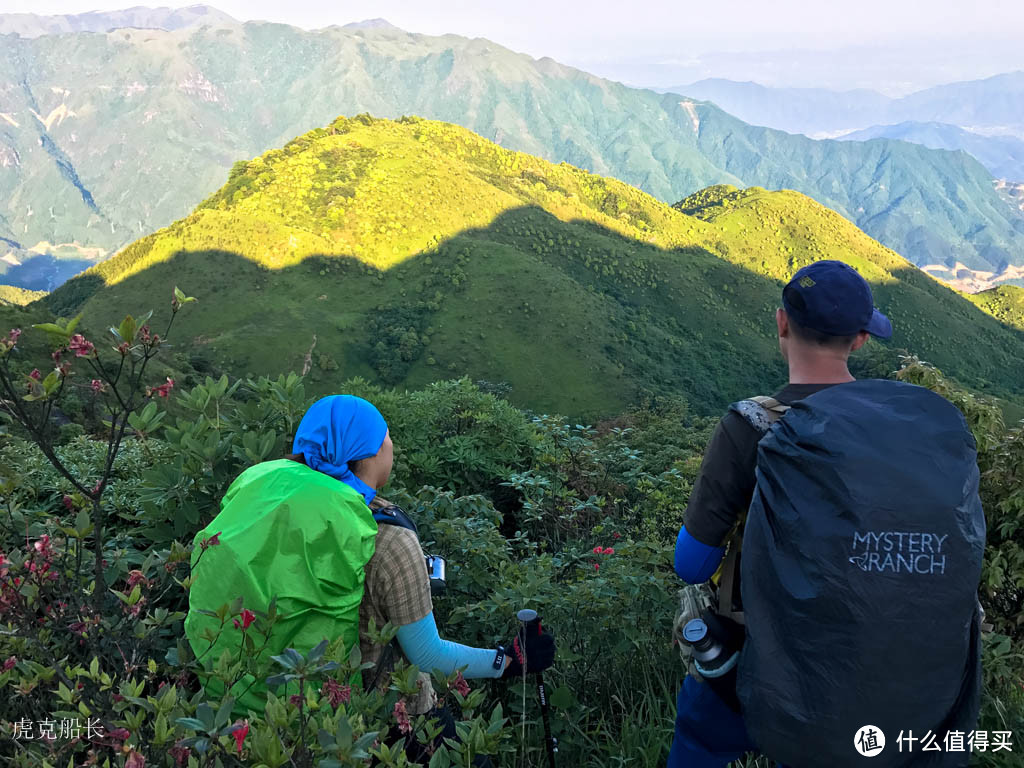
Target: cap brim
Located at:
point(879, 326)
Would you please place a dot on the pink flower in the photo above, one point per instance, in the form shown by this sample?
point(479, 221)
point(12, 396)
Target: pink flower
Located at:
point(134, 610)
point(213, 541)
point(616, 535)
point(461, 685)
point(35, 374)
point(11, 341)
point(136, 577)
point(180, 754)
point(120, 734)
point(56, 355)
point(336, 693)
point(248, 617)
point(240, 735)
point(597, 566)
point(164, 389)
point(43, 545)
point(9, 664)
point(296, 700)
point(69, 503)
point(608, 551)
point(135, 760)
point(402, 717)
point(81, 346)
point(598, 550)
point(97, 386)
point(123, 348)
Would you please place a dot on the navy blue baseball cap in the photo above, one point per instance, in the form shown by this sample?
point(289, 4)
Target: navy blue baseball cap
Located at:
point(832, 298)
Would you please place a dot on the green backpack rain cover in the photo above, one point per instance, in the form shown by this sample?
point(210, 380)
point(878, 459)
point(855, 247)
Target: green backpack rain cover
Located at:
point(290, 532)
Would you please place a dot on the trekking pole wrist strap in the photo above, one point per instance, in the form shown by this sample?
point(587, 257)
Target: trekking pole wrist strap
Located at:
point(499, 658)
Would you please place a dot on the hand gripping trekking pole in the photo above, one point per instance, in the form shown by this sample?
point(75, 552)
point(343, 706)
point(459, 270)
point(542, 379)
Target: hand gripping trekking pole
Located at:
point(530, 620)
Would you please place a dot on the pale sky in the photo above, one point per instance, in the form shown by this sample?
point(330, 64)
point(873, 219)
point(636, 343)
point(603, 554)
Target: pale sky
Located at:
point(666, 42)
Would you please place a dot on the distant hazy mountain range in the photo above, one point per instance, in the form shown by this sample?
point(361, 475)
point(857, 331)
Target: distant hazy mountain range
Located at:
point(34, 25)
point(984, 118)
point(991, 106)
point(105, 136)
point(1002, 155)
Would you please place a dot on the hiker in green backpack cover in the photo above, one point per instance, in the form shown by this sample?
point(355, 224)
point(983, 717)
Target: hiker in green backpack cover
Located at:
point(303, 531)
point(823, 485)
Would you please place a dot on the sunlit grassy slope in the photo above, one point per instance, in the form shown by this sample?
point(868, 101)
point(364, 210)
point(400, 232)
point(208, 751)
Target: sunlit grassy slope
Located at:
point(412, 250)
point(1005, 303)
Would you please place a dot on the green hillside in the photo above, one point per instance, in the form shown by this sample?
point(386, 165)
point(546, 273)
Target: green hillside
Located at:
point(1005, 303)
point(414, 250)
point(107, 137)
point(9, 295)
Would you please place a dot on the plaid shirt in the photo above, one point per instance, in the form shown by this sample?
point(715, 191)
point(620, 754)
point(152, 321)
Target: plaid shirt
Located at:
point(396, 590)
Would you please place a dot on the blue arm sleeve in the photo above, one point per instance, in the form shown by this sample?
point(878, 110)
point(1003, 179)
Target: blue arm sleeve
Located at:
point(423, 647)
point(696, 562)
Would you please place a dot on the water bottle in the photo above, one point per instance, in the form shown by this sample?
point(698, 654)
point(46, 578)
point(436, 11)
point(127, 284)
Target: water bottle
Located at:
point(715, 662)
point(711, 657)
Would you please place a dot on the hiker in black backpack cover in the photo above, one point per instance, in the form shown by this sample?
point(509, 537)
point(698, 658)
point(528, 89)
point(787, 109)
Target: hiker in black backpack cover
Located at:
point(855, 615)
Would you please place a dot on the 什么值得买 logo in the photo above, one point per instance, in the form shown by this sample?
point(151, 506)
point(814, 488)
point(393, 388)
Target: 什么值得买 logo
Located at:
point(869, 740)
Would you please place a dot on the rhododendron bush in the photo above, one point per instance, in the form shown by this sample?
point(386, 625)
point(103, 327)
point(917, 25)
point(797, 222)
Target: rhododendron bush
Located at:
point(575, 521)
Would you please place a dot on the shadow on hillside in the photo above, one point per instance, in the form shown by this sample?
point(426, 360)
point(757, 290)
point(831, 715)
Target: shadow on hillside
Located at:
point(574, 316)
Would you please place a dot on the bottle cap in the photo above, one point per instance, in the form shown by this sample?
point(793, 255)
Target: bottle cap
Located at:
point(695, 631)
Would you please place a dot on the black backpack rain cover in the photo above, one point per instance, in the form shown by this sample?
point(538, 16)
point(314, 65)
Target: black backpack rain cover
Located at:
point(861, 561)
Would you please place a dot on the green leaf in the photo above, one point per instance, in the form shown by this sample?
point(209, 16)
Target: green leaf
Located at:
point(53, 328)
point(205, 713)
point(191, 723)
point(317, 653)
point(440, 759)
point(72, 324)
point(181, 297)
point(343, 734)
point(563, 698)
point(285, 661)
point(128, 329)
point(224, 713)
point(51, 382)
point(327, 741)
point(160, 729)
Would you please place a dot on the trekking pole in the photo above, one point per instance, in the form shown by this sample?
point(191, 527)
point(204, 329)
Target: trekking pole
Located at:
point(529, 618)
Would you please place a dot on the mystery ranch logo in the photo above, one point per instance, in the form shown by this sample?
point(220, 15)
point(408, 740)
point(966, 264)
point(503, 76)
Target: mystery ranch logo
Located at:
point(899, 552)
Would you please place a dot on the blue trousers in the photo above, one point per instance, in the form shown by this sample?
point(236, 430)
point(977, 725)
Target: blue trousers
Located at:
point(708, 733)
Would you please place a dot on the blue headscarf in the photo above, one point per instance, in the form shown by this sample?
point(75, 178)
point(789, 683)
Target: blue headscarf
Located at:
point(339, 429)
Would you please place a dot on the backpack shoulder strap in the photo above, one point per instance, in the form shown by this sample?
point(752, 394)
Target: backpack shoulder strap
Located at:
point(760, 412)
point(394, 515)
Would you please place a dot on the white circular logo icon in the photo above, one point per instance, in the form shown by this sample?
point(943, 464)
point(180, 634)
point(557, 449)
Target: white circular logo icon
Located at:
point(869, 740)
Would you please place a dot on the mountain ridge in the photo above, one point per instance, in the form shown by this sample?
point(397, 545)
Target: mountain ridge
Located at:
point(994, 104)
point(137, 17)
point(196, 99)
point(413, 250)
point(1002, 155)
